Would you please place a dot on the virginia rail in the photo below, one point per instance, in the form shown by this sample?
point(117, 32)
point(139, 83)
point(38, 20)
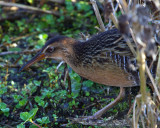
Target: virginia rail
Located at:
point(104, 59)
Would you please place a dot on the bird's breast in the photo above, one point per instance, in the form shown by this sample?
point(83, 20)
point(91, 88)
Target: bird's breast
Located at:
point(112, 76)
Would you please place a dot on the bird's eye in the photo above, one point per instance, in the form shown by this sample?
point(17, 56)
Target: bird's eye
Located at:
point(50, 49)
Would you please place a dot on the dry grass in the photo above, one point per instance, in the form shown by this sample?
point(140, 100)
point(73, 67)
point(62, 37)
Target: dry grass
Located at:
point(141, 20)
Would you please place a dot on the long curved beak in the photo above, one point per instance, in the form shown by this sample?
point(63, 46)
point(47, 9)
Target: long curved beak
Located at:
point(38, 57)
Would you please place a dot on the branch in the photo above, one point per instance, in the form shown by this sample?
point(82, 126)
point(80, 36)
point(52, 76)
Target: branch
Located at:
point(21, 52)
point(98, 15)
point(109, 12)
point(29, 8)
point(57, 1)
point(6, 66)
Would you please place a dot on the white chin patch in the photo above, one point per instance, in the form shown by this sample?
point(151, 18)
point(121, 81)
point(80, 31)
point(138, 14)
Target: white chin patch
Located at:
point(57, 58)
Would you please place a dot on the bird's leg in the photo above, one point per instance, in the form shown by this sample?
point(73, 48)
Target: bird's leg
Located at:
point(110, 105)
point(59, 65)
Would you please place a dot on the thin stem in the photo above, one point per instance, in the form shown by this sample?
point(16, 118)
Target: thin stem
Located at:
point(122, 11)
point(153, 82)
point(36, 124)
point(28, 8)
point(124, 5)
point(98, 15)
point(113, 16)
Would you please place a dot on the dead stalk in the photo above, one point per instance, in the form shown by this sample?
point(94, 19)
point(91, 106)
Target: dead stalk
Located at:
point(124, 5)
point(113, 16)
point(120, 6)
point(28, 8)
point(98, 15)
point(153, 82)
point(141, 59)
point(134, 115)
point(136, 112)
point(158, 71)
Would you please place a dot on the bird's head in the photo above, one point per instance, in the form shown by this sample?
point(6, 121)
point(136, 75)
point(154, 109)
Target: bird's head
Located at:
point(56, 48)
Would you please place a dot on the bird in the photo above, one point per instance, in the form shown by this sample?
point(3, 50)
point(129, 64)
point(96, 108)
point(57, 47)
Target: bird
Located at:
point(105, 58)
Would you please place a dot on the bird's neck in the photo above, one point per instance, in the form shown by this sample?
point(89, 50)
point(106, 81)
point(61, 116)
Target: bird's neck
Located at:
point(74, 53)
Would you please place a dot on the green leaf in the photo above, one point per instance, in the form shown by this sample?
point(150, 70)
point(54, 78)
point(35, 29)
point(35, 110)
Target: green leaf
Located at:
point(37, 83)
point(23, 102)
point(39, 120)
point(25, 116)
point(20, 126)
point(112, 99)
point(5, 110)
point(49, 19)
point(15, 49)
point(43, 120)
point(37, 99)
point(34, 126)
point(2, 105)
point(73, 102)
point(28, 116)
point(43, 36)
point(3, 90)
point(6, 38)
point(33, 112)
point(69, 96)
point(41, 103)
point(92, 98)
point(87, 93)
point(17, 97)
point(30, 1)
point(69, 6)
point(83, 6)
point(55, 116)
point(88, 83)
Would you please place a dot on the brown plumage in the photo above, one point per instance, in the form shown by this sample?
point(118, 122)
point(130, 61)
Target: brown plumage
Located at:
point(104, 58)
